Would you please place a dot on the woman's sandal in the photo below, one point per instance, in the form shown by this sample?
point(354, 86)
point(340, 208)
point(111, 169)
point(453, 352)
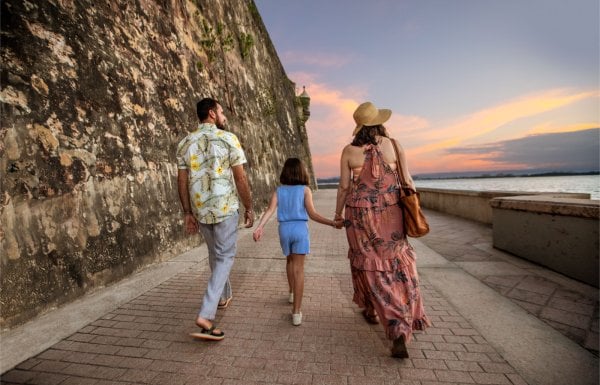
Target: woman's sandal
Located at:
point(208, 334)
point(372, 319)
point(399, 348)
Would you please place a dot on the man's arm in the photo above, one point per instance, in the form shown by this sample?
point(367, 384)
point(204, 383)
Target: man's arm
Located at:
point(191, 225)
point(241, 183)
point(182, 187)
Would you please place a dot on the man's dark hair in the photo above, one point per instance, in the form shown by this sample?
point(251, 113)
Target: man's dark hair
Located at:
point(204, 106)
point(367, 135)
point(294, 173)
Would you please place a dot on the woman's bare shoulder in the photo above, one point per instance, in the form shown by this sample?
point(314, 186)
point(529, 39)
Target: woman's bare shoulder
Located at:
point(353, 156)
point(389, 143)
point(387, 148)
point(387, 140)
point(394, 140)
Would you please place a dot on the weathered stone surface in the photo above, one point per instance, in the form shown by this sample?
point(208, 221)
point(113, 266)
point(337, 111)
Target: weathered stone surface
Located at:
point(550, 204)
point(95, 97)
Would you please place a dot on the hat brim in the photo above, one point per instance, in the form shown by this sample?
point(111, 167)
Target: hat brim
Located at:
point(382, 116)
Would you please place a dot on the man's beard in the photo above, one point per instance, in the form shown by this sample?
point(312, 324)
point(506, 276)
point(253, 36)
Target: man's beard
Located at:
point(220, 125)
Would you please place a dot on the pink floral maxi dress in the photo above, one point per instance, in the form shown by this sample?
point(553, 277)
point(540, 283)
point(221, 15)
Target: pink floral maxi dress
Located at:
point(384, 271)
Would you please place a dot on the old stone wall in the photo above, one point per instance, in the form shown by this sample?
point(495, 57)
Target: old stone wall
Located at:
point(95, 97)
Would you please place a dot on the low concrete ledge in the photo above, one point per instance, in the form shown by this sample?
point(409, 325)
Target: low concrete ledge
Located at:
point(553, 231)
point(550, 204)
point(474, 205)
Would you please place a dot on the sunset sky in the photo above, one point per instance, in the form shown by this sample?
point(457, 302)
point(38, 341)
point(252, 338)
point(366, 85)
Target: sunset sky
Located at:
point(473, 84)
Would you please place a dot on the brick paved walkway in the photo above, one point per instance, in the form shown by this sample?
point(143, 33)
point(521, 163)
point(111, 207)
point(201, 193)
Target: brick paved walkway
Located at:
point(145, 340)
point(568, 306)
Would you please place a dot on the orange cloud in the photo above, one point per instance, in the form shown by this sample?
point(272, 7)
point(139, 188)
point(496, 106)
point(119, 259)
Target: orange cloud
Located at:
point(459, 162)
point(407, 129)
point(549, 128)
point(326, 165)
point(495, 117)
point(330, 126)
point(431, 157)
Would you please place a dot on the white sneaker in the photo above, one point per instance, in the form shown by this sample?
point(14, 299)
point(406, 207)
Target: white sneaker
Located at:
point(291, 298)
point(296, 319)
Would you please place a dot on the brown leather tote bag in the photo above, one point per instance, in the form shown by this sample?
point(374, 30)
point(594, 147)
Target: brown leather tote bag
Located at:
point(415, 224)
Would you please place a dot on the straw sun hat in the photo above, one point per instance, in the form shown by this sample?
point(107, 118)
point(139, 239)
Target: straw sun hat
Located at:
point(368, 115)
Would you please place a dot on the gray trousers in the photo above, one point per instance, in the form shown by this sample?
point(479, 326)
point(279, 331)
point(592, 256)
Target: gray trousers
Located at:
point(221, 240)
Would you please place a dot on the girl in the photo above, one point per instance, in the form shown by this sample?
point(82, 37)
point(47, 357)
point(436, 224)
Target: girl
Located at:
point(294, 204)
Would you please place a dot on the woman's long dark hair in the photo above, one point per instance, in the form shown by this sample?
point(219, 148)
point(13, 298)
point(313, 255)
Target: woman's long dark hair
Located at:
point(367, 135)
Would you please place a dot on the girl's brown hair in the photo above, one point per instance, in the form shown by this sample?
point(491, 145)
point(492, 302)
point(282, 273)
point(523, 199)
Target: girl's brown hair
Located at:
point(294, 173)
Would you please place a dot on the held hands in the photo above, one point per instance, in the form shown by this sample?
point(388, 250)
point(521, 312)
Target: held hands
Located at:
point(338, 221)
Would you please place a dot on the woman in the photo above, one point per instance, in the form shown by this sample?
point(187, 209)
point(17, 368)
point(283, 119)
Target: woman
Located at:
point(384, 272)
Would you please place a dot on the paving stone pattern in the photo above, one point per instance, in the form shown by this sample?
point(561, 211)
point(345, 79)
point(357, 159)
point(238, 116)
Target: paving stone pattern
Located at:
point(145, 341)
point(568, 306)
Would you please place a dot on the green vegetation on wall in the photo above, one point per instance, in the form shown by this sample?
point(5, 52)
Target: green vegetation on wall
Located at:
point(246, 43)
point(215, 40)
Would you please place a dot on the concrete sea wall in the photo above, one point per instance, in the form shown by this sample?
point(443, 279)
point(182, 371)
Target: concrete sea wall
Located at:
point(95, 97)
point(473, 205)
point(556, 230)
point(559, 233)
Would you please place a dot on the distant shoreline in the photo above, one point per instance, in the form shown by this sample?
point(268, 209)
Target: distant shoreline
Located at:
point(332, 181)
point(507, 175)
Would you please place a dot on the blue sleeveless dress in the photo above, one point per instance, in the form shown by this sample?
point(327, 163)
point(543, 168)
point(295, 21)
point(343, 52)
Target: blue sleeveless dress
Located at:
point(293, 220)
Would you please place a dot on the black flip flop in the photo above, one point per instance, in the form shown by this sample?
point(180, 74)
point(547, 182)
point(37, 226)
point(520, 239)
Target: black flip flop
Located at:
point(209, 334)
point(224, 304)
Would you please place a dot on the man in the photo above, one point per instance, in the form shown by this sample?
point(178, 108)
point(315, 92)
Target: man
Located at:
point(210, 161)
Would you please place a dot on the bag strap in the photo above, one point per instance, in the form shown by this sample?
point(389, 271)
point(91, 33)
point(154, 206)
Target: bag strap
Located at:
point(398, 166)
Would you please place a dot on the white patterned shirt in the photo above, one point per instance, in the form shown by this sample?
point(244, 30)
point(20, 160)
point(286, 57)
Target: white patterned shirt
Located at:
point(209, 154)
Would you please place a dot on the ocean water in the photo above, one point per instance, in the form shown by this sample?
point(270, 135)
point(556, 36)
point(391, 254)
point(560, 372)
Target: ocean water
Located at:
point(574, 184)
